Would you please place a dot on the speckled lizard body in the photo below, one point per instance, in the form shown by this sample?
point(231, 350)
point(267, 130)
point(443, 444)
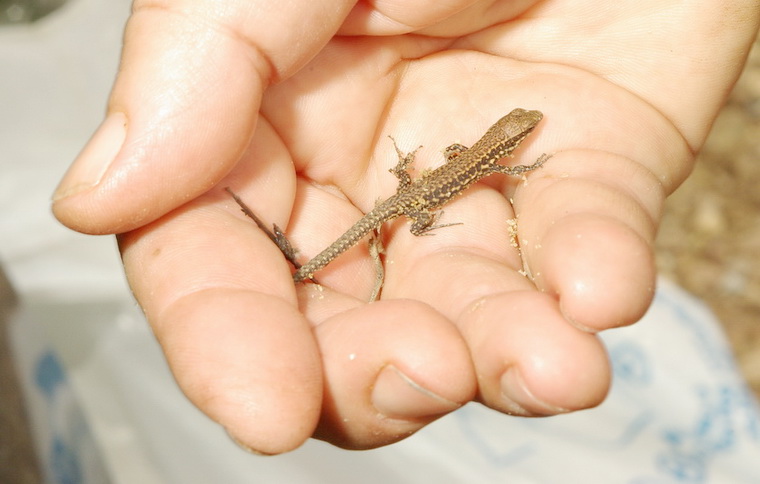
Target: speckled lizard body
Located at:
point(417, 199)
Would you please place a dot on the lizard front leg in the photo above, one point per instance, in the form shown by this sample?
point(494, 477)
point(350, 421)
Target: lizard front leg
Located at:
point(520, 169)
point(454, 150)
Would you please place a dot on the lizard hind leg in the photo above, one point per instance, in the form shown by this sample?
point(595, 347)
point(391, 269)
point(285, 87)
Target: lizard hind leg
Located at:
point(401, 170)
point(375, 250)
point(423, 222)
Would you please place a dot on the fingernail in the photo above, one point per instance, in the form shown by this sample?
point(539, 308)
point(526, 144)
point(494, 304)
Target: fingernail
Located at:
point(397, 396)
point(521, 401)
point(91, 164)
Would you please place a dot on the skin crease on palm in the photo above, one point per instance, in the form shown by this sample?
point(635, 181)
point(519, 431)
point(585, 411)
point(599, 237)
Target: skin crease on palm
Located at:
point(291, 107)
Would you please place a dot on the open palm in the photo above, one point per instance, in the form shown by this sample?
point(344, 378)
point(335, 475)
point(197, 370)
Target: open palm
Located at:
point(295, 119)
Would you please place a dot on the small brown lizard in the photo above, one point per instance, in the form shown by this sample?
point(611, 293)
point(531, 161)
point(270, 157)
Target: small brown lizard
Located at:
point(417, 199)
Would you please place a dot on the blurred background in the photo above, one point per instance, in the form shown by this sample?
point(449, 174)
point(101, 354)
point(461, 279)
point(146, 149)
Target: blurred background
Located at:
point(709, 239)
point(24, 11)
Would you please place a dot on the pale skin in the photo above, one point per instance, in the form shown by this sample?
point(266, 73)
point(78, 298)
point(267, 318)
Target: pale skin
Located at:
point(291, 106)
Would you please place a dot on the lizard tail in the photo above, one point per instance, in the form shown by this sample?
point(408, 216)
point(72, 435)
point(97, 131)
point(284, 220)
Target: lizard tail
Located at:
point(351, 237)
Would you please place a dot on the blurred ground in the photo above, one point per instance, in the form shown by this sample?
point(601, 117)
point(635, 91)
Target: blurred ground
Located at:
point(709, 240)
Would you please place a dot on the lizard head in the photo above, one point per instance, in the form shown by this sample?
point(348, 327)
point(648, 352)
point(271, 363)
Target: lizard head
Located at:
point(517, 124)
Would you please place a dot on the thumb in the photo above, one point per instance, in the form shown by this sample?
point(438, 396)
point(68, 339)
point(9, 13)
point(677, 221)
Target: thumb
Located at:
point(185, 103)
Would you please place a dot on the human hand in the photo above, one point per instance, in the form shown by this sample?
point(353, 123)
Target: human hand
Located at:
point(271, 103)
